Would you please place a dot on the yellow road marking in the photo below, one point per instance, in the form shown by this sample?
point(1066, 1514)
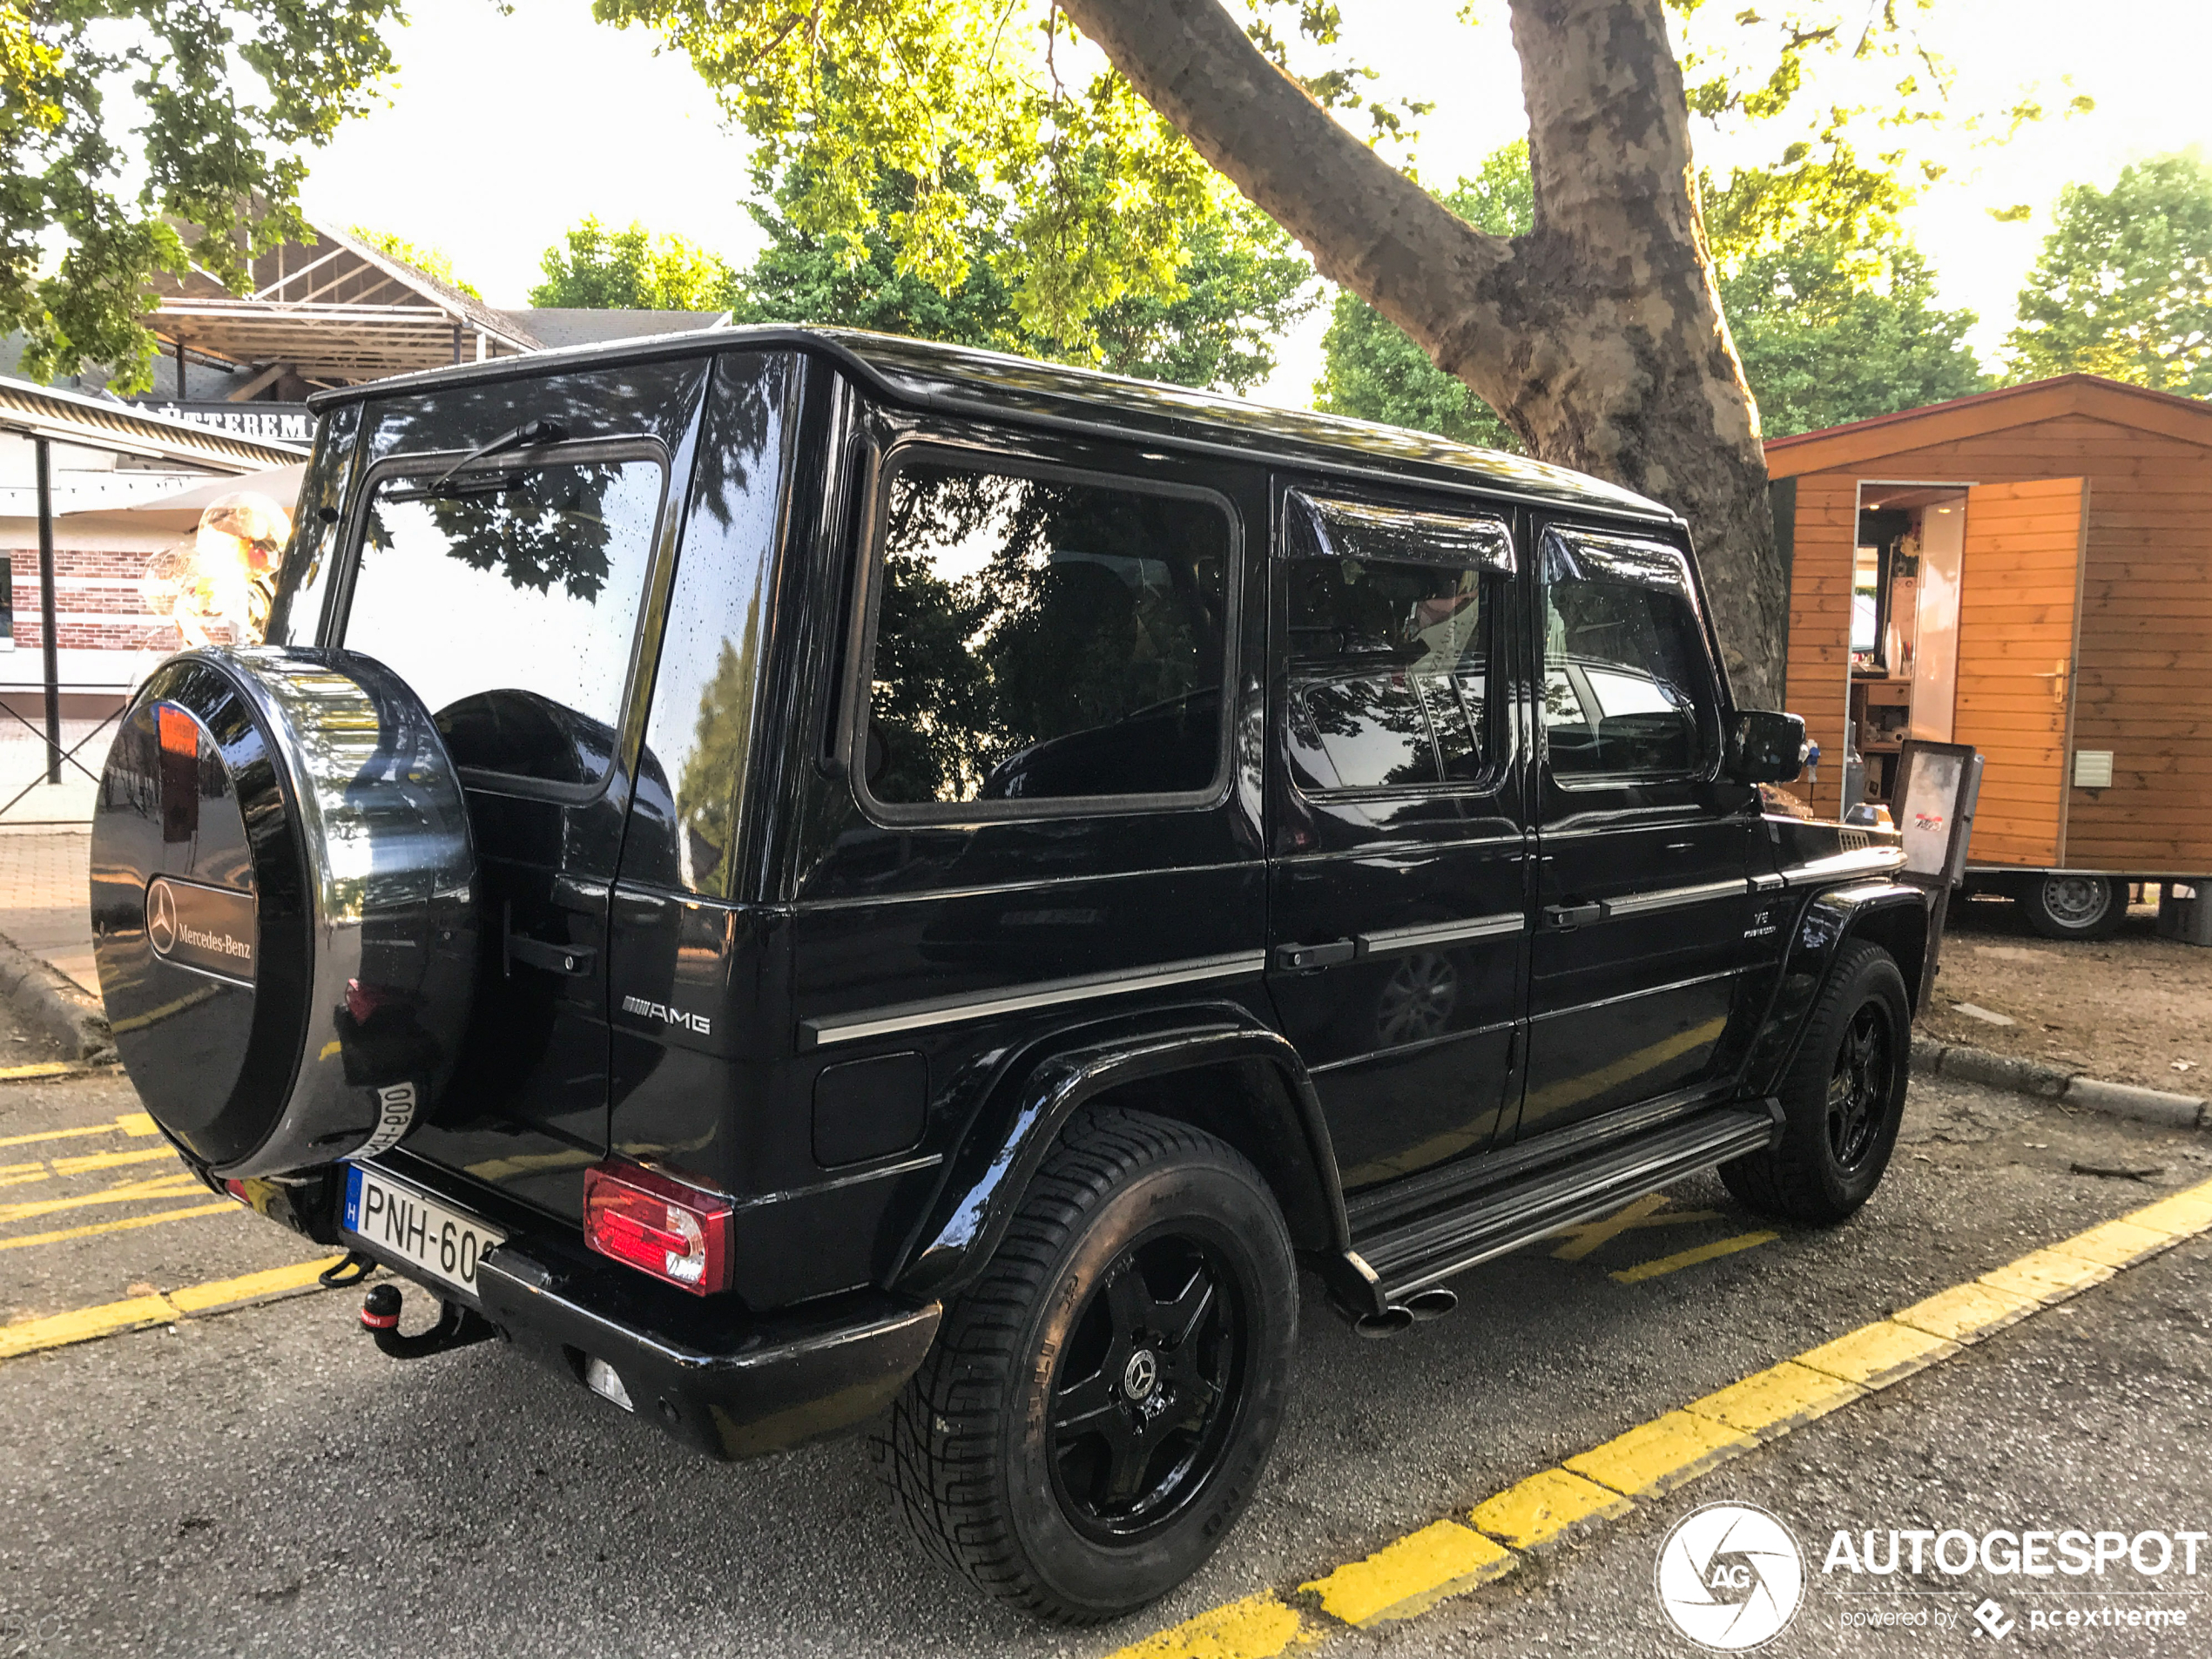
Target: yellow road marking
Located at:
point(1644, 1212)
point(1406, 1576)
point(17, 1175)
point(1660, 1455)
point(1967, 1310)
point(43, 1069)
point(1773, 1402)
point(84, 1162)
point(1259, 1627)
point(83, 1324)
point(86, 1231)
point(1682, 1258)
point(1874, 1356)
point(129, 1123)
point(1546, 1506)
point(159, 1186)
point(1403, 1580)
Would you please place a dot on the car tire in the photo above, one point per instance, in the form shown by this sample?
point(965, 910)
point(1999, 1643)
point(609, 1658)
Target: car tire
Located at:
point(1843, 1097)
point(2075, 906)
point(1098, 1406)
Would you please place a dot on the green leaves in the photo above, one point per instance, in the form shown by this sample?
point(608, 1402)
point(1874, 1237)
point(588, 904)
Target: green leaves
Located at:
point(2123, 287)
point(1829, 331)
point(141, 136)
point(601, 269)
point(901, 128)
point(1236, 286)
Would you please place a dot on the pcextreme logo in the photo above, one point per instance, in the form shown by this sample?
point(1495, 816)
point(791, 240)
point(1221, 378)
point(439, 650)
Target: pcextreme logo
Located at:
point(1730, 1576)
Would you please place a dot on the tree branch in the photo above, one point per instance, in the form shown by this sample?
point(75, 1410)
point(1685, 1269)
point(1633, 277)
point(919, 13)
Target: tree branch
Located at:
point(1366, 225)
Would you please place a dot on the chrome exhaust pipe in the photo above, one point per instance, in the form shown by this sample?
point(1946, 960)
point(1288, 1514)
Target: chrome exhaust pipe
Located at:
point(1432, 1303)
point(1391, 1322)
point(1400, 1317)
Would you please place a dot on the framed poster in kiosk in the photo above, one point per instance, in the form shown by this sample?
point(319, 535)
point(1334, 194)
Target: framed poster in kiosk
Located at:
point(1937, 786)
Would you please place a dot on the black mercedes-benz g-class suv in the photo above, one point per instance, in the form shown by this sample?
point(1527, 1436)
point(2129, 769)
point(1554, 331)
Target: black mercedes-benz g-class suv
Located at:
point(812, 879)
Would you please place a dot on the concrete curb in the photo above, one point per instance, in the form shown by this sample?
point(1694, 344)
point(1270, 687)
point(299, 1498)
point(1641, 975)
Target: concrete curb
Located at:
point(50, 1003)
point(2048, 1083)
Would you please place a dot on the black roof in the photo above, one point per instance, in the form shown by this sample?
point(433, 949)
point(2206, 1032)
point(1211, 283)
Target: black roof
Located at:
point(959, 378)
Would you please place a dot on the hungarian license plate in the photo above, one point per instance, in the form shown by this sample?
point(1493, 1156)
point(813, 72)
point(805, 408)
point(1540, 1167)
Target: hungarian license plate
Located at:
point(397, 1220)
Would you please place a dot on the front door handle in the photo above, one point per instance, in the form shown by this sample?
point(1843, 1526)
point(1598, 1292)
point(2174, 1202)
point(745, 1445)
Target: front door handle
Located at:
point(1565, 916)
point(1299, 957)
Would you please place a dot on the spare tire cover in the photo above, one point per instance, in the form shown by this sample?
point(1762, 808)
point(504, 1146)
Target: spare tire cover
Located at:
point(284, 905)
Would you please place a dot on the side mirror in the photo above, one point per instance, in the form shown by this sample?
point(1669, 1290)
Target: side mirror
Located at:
point(1766, 748)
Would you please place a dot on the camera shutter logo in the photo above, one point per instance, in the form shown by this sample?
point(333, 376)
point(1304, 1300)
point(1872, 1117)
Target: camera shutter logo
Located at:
point(1730, 1576)
point(161, 917)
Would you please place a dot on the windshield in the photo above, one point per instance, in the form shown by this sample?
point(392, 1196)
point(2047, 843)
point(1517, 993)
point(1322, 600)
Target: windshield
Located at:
point(507, 597)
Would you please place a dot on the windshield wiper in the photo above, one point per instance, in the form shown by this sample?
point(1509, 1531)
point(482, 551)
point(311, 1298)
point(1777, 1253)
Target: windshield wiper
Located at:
point(538, 431)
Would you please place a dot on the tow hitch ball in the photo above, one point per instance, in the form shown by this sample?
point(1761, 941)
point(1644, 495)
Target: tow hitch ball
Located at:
point(457, 1326)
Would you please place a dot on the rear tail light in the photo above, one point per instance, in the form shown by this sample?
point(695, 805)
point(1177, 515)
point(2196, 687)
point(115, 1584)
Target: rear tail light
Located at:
point(651, 1220)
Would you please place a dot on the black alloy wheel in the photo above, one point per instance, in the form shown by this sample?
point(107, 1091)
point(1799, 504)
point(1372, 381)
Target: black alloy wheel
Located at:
point(1100, 1402)
point(1859, 1089)
point(1139, 1404)
point(1843, 1096)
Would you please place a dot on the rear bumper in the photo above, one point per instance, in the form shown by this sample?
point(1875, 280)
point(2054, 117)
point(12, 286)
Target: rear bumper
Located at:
point(732, 1387)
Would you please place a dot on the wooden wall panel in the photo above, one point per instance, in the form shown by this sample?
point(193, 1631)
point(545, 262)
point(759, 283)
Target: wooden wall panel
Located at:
point(2142, 680)
point(1819, 647)
point(2016, 663)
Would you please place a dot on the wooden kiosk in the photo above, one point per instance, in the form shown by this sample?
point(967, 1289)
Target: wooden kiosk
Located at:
point(2027, 570)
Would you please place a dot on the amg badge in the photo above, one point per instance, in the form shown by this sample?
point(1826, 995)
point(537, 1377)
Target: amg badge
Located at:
point(694, 1023)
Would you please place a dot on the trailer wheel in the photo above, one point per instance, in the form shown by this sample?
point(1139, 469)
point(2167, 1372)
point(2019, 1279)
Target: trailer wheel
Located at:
point(2075, 906)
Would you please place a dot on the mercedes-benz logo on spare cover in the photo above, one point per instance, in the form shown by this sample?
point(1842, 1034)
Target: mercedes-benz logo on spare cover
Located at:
point(1730, 1576)
point(207, 929)
point(161, 916)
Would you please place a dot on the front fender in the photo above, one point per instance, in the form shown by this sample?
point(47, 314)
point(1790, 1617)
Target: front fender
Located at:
point(1890, 912)
point(1035, 1095)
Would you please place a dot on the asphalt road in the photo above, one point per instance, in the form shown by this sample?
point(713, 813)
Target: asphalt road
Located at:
point(264, 1481)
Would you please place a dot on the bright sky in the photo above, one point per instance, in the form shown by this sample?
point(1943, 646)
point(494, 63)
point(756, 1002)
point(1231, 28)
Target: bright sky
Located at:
point(503, 131)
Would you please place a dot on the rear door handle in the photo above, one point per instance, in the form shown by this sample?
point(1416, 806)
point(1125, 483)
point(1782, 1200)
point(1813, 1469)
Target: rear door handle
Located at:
point(1565, 916)
point(1299, 957)
point(539, 952)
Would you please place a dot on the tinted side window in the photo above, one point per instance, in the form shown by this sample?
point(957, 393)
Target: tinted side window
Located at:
point(1043, 638)
point(1388, 655)
point(1628, 687)
point(507, 598)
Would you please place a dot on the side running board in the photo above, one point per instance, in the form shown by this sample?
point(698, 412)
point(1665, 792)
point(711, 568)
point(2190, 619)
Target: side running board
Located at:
point(1409, 1257)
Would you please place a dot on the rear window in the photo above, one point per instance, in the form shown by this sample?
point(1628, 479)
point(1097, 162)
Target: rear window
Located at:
point(1045, 638)
point(507, 597)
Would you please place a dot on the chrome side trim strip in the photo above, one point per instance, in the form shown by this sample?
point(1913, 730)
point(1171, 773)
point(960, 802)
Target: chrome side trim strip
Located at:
point(1442, 932)
point(1861, 861)
point(946, 1010)
point(1630, 996)
point(1637, 904)
point(1767, 881)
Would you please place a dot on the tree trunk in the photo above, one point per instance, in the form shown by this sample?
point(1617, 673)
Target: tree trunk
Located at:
point(1597, 336)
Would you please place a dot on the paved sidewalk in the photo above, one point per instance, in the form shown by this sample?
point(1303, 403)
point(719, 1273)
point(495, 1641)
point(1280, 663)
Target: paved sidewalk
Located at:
point(45, 907)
